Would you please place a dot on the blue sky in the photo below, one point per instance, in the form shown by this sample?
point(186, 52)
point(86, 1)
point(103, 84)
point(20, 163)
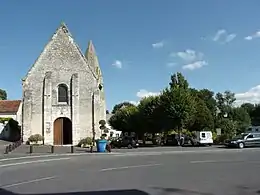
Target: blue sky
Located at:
point(215, 44)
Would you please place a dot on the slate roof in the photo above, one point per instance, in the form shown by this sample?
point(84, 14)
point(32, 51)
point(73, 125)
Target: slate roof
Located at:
point(9, 106)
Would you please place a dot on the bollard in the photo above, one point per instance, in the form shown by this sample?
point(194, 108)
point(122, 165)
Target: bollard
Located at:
point(31, 149)
point(72, 149)
point(52, 149)
point(13, 146)
point(6, 150)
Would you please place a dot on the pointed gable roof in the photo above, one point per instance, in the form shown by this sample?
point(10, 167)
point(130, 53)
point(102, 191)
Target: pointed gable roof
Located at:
point(90, 49)
point(92, 58)
point(62, 28)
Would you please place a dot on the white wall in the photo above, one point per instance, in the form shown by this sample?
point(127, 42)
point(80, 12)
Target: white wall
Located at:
point(8, 115)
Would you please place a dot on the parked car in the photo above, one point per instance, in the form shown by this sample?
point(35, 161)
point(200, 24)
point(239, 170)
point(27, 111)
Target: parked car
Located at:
point(171, 140)
point(126, 141)
point(203, 138)
point(244, 140)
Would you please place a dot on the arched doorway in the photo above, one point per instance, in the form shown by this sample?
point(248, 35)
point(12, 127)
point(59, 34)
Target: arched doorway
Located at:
point(62, 131)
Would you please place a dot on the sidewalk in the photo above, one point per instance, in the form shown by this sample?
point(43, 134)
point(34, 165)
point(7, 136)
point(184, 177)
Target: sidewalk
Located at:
point(24, 150)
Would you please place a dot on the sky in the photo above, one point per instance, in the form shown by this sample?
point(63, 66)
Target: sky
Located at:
point(215, 44)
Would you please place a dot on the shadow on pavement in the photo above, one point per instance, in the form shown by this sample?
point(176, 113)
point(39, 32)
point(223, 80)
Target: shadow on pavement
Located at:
point(176, 191)
point(110, 192)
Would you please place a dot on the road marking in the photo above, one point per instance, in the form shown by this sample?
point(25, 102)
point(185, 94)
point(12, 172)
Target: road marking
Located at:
point(206, 161)
point(27, 182)
point(129, 167)
point(224, 161)
point(35, 161)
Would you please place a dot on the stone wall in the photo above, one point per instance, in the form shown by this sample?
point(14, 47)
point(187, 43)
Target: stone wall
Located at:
point(61, 62)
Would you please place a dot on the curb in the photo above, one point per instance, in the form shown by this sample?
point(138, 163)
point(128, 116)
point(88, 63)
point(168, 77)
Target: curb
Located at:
point(54, 155)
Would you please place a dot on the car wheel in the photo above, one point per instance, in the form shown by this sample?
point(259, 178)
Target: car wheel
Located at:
point(129, 146)
point(241, 145)
point(210, 144)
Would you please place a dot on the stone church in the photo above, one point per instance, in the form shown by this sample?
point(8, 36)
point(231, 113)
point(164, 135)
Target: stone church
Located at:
point(63, 93)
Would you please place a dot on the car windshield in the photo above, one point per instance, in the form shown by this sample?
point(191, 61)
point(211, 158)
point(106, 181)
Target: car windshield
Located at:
point(240, 136)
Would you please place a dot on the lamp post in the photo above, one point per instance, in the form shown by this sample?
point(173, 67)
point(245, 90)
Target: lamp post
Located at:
point(93, 115)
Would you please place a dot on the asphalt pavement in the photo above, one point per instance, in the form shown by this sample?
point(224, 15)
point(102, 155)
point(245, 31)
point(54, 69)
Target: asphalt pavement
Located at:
point(201, 171)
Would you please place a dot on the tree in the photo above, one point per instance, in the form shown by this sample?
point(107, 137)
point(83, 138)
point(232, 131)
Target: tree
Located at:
point(3, 94)
point(125, 119)
point(178, 105)
point(225, 102)
point(248, 107)
point(228, 127)
point(203, 118)
point(150, 113)
point(178, 81)
point(208, 97)
point(121, 105)
point(107, 111)
point(241, 117)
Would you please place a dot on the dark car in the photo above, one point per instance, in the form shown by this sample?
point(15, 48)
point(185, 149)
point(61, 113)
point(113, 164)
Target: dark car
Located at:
point(171, 140)
point(244, 140)
point(124, 142)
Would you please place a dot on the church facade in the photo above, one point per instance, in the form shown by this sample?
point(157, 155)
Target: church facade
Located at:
point(63, 93)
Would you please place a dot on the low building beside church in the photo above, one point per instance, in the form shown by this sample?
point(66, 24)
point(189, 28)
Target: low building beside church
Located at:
point(63, 93)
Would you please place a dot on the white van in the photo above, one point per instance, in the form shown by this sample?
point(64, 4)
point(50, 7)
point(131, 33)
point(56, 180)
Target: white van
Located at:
point(204, 138)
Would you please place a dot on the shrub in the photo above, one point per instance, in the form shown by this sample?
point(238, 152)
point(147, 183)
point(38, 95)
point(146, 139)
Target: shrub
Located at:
point(35, 138)
point(102, 122)
point(85, 141)
point(103, 136)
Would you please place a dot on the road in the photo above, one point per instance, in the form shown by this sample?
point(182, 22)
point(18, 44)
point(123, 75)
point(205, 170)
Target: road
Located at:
point(191, 172)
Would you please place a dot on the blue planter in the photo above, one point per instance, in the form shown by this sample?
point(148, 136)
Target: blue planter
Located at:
point(101, 145)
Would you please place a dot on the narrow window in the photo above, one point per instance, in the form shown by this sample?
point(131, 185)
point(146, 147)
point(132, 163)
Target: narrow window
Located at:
point(63, 93)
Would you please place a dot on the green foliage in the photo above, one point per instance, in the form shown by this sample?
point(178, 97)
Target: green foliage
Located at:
point(242, 119)
point(225, 102)
point(178, 105)
point(181, 108)
point(125, 119)
point(102, 122)
point(203, 118)
point(85, 141)
point(121, 105)
point(150, 113)
point(103, 136)
point(3, 94)
point(178, 81)
point(4, 119)
point(254, 113)
point(35, 138)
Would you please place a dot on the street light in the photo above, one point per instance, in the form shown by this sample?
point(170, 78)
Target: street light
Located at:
point(93, 115)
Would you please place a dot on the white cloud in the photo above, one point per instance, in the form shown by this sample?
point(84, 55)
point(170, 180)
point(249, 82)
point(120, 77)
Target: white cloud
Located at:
point(118, 64)
point(194, 65)
point(218, 34)
point(144, 93)
point(188, 55)
point(158, 45)
point(250, 96)
point(223, 36)
point(254, 36)
point(191, 59)
point(230, 37)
